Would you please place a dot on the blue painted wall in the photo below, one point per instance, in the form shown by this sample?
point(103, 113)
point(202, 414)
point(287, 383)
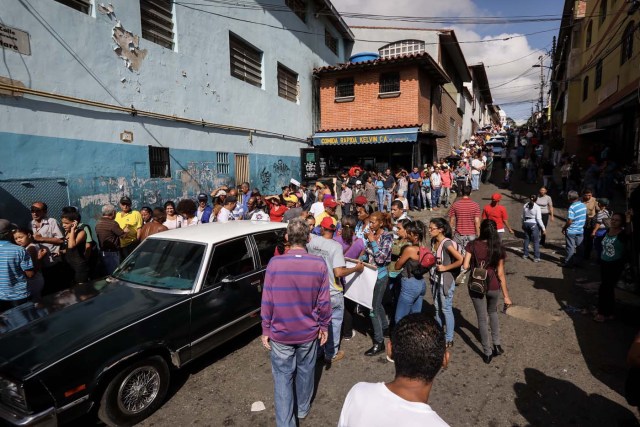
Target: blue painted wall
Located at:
point(98, 173)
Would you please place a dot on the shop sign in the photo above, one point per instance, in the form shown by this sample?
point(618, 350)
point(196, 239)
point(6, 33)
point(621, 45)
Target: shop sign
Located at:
point(15, 40)
point(587, 128)
point(308, 156)
point(366, 137)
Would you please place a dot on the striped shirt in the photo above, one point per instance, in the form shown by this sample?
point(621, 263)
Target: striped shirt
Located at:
point(14, 261)
point(295, 300)
point(578, 215)
point(465, 211)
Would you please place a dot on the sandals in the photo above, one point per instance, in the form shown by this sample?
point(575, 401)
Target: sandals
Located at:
point(600, 318)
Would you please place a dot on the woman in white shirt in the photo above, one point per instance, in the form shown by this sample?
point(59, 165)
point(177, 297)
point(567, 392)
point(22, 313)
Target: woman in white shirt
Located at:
point(532, 226)
point(174, 220)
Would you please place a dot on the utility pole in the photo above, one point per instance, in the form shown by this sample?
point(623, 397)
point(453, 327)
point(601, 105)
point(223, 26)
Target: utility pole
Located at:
point(541, 99)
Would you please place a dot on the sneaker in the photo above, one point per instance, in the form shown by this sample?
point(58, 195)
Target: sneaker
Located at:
point(390, 360)
point(449, 344)
point(350, 337)
point(525, 256)
point(339, 356)
point(536, 260)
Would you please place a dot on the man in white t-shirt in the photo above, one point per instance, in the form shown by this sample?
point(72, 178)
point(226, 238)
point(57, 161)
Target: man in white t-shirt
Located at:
point(226, 213)
point(417, 347)
point(476, 169)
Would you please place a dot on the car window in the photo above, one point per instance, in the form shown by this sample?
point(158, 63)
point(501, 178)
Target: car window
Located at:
point(266, 243)
point(230, 259)
point(164, 264)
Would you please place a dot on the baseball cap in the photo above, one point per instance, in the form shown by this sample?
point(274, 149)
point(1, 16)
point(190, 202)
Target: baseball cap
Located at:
point(202, 196)
point(358, 182)
point(603, 201)
point(330, 203)
point(319, 184)
point(125, 200)
point(291, 198)
point(361, 200)
point(6, 226)
point(231, 199)
point(496, 196)
point(220, 193)
point(327, 222)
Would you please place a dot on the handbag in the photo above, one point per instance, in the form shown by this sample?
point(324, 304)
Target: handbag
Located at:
point(478, 280)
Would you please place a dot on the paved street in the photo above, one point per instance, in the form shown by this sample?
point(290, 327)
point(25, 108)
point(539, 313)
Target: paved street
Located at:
point(559, 367)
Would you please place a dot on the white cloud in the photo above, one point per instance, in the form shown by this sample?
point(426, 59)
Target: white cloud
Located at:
point(491, 53)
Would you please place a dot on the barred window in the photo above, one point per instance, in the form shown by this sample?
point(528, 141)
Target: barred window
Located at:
point(626, 48)
point(298, 7)
point(287, 83)
point(246, 61)
point(598, 80)
point(389, 82)
point(222, 163)
point(403, 47)
point(83, 6)
point(344, 87)
point(330, 41)
point(157, 22)
point(159, 162)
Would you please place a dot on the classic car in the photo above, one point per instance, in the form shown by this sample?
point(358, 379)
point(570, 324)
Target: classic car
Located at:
point(113, 343)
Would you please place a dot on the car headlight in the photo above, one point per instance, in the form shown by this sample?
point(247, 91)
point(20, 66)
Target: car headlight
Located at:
point(12, 394)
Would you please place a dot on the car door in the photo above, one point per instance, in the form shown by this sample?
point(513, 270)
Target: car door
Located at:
point(229, 301)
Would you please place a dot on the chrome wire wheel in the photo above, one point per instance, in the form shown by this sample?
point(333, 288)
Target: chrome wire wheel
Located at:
point(138, 390)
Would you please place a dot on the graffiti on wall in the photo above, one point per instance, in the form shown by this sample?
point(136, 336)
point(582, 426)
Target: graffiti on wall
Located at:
point(273, 174)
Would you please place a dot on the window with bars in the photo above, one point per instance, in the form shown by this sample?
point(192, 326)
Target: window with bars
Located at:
point(344, 87)
point(298, 7)
point(242, 168)
point(157, 22)
point(246, 61)
point(597, 82)
point(330, 41)
point(402, 47)
point(389, 82)
point(626, 48)
point(83, 6)
point(159, 162)
point(222, 163)
point(287, 84)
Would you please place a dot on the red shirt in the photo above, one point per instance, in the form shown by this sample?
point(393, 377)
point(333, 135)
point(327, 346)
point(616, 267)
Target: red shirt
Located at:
point(498, 213)
point(277, 212)
point(447, 179)
point(466, 211)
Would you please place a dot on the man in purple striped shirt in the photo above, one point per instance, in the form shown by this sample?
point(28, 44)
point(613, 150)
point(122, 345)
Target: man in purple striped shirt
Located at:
point(296, 312)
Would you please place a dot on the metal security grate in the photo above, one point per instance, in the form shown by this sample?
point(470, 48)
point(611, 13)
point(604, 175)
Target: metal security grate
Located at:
point(389, 82)
point(403, 47)
point(242, 168)
point(157, 21)
point(287, 83)
point(222, 163)
point(330, 41)
point(159, 162)
point(246, 61)
point(83, 6)
point(344, 87)
point(298, 7)
point(16, 197)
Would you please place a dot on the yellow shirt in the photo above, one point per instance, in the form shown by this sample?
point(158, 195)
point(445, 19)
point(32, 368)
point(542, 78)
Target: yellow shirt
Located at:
point(134, 220)
point(322, 216)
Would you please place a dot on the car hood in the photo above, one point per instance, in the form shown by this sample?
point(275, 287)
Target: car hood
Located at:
point(33, 337)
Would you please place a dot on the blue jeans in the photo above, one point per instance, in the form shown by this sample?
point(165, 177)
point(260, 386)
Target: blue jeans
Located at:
point(380, 196)
point(475, 181)
point(443, 304)
point(446, 191)
point(415, 201)
point(378, 316)
point(426, 196)
point(574, 247)
point(337, 314)
point(387, 199)
point(287, 361)
point(531, 232)
point(110, 260)
point(435, 197)
point(410, 299)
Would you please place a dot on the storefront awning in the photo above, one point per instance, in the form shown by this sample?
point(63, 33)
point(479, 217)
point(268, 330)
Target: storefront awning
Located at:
point(380, 136)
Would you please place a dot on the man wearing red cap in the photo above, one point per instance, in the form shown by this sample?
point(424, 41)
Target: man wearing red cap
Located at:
point(496, 212)
point(330, 205)
point(331, 252)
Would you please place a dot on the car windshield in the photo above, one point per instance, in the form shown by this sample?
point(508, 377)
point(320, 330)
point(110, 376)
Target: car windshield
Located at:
point(164, 264)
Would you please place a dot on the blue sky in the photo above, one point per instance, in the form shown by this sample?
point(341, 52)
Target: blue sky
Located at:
point(505, 60)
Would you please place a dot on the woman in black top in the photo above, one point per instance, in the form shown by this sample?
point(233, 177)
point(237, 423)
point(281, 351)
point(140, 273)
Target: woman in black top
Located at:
point(488, 249)
point(413, 285)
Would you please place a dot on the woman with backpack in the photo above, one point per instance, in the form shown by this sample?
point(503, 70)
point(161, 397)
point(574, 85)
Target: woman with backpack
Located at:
point(487, 252)
point(448, 259)
point(413, 287)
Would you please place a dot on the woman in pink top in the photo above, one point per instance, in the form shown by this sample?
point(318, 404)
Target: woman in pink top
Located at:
point(446, 178)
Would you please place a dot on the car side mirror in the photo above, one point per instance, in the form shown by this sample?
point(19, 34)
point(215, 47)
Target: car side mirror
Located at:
point(227, 279)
